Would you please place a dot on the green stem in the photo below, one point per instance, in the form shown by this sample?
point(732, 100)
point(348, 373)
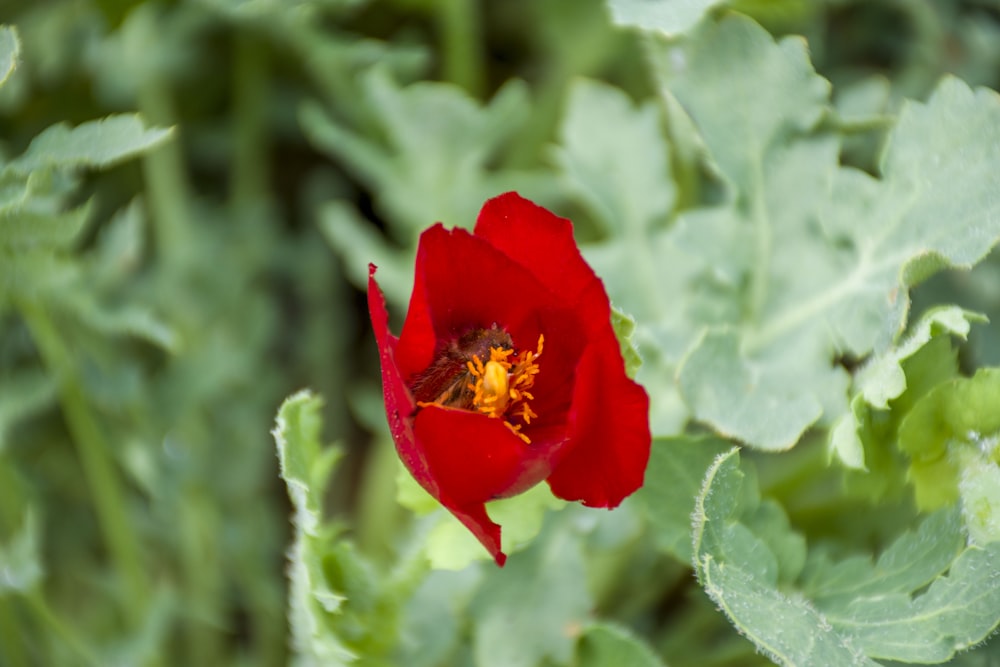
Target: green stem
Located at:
point(164, 167)
point(461, 44)
point(198, 526)
point(95, 456)
point(59, 629)
point(248, 168)
point(12, 635)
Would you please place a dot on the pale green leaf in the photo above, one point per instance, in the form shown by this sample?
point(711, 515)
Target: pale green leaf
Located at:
point(810, 260)
point(670, 17)
point(429, 158)
point(911, 562)
point(528, 611)
point(955, 613)
point(306, 467)
point(786, 627)
point(98, 143)
point(673, 479)
point(449, 545)
point(605, 645)
point(10, 49)
point(20, 558)
point(615, 160)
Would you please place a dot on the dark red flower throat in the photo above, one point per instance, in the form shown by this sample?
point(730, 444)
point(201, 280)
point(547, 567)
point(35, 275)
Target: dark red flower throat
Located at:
point(482, 372)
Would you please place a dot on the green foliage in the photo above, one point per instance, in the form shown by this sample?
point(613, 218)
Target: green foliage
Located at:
point(792, 206)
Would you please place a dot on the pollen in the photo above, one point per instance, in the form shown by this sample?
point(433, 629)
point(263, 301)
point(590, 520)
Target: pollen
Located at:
point(501, 385)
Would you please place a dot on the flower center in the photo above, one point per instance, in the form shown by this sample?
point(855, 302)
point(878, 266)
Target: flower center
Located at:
point(481, 372)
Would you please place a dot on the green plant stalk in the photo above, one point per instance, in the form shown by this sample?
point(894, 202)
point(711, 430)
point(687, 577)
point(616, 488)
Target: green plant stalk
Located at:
point(458, 21)
point(248, 168)
point(198, 523)
point(95, 456)
point(165, 182)
point(59, 629)
point(11, 635)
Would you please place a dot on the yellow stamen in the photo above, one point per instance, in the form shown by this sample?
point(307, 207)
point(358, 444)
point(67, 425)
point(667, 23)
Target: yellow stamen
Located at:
point(500, 386)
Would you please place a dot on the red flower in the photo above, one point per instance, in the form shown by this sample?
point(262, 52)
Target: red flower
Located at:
point(508, 372)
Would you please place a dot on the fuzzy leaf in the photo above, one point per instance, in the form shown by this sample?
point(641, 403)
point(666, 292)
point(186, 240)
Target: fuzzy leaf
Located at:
point(10, 49)
point(98, 143)
point(727, 554)
point(673, 478)
point(670, 17)
point(306, 467)
point(814, 259)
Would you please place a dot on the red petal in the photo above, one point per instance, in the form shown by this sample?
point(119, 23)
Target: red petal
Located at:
point(609, 432)
point(543, 243)
point(463, 282)
point(479, 523)
point(474, 458)
point(399, 404)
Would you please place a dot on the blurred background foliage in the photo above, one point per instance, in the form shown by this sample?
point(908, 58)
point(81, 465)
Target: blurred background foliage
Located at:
point(143, 354)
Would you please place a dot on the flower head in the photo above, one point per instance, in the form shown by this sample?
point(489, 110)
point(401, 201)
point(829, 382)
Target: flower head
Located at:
point(507, 371)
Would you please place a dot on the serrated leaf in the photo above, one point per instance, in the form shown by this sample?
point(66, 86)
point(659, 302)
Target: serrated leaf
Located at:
point(98, 143)
point(604, 645)
point(814, 259)
point(670, 17)
point(539, 598)
point(306, 467)
point(673, 479)
point(26, 229)
point(10, 49)
point(912, 561)
point(955, 613)
point(785, 627)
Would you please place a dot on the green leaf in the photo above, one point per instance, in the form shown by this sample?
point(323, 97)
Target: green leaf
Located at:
point(449, 545)
point(809, 260)
point(957, 612)
point(911, 368)
point(604, 645)
point(624, 327)
point(10, 49)
point(673, 479)
point(927, 596)
point(20, 559)
point(306, 468)
point(615, 160)
point(951, 436)
point(429, 156)
point(98, 143)
point(670, 17)
point(786, 628)
point(913, 561)
point(530, 610)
